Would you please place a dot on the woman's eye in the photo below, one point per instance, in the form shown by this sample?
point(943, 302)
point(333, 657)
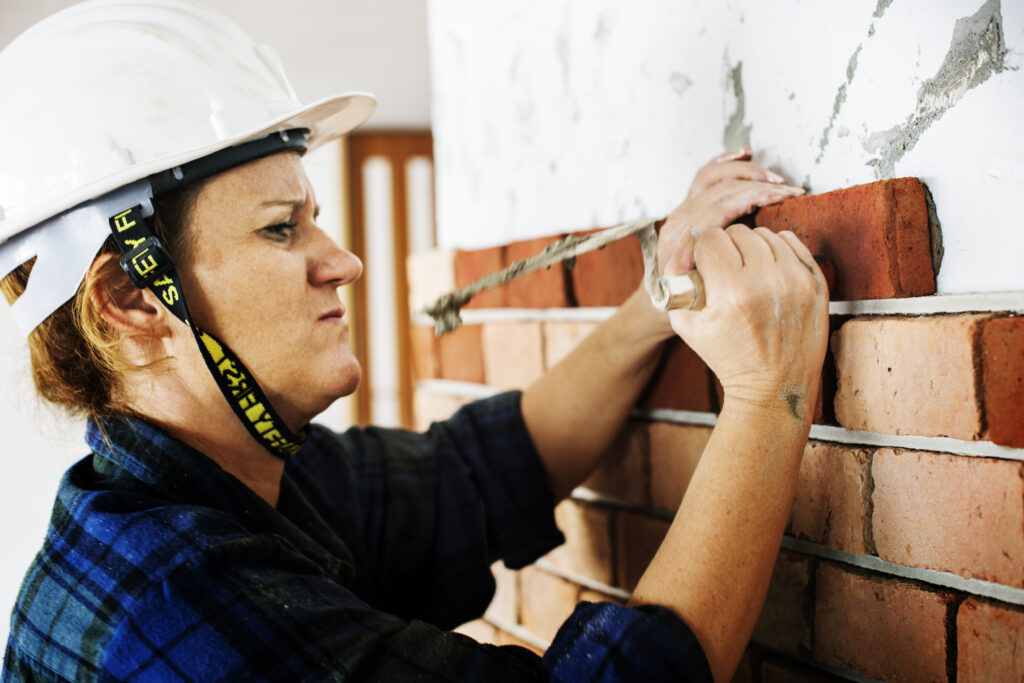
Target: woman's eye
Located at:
point(280, 232)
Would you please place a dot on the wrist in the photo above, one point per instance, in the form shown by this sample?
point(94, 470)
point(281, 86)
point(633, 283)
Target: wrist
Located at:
point(641, 318)
point(792, 404)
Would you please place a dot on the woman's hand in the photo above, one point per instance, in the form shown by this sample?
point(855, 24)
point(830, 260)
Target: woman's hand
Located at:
point(727, 187)
point(764, 329)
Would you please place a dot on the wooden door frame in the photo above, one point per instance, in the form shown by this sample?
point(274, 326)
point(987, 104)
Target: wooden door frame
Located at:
point(397, 147)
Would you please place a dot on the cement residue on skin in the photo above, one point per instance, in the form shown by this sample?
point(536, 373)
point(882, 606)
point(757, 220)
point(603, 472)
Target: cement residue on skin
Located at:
point(976, 52)
point(736, 134)
point(794, 400)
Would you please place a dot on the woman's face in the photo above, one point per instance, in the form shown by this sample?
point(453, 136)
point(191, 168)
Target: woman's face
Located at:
point(263, 277)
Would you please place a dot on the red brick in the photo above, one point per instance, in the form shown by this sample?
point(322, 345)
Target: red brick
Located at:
point(952, 513)
point(784, 623)
point(675, 452)
point(505, 604)
point(637, 539)
point(623, 472)
point(588, 543)
point(877, 235)
point(513, 354)
point(430, 274)
point(545, 288)
point(990, 639)
point(681, 382)
point(884, 628)
point(608, 276)
point(462, 356)
point(833, 498)
point(429, 408)
point(561, 338)
point(1002, 349)
point(825, 408)
point(425, 352)
point(910, 375)
point(473, 265)
point(778, 670)
point(546, 602)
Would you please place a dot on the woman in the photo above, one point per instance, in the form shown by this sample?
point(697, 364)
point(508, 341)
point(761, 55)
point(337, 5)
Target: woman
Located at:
point(212, 533)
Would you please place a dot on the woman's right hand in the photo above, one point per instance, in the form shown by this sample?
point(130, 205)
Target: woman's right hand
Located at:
point(764, 329)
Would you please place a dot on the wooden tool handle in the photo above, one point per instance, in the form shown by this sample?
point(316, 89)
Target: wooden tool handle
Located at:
point(686, 290)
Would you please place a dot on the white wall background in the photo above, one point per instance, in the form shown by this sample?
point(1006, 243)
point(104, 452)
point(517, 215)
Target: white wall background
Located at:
point(327, 46)
point(551, 115)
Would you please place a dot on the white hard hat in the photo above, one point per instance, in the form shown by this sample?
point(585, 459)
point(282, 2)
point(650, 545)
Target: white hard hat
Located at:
point(109, 92)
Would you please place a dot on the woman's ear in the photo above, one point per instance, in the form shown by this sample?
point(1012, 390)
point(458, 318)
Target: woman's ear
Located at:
point(131, 311)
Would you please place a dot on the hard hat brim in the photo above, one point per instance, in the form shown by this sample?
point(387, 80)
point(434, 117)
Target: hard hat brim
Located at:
point(327, 119)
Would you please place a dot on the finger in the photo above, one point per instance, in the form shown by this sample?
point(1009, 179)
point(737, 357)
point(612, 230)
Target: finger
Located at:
point(752, 247)
point(799, 248)
point(802, 254)
point(744, 152)
point(718, 260)
point(727, 186)
point(681, 259)
point(743, 170)
point(735, 198)
point(780, 250)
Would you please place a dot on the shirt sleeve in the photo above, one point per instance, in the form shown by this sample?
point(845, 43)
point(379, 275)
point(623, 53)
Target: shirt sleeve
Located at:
point(435, 510)
point(253, 609)
point(608, 643)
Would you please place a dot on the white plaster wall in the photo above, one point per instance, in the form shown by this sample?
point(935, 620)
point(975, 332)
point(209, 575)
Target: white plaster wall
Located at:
point(327, 46)
point(552, 115)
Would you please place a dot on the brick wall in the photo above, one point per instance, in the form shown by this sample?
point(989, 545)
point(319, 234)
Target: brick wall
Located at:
point(904, 557)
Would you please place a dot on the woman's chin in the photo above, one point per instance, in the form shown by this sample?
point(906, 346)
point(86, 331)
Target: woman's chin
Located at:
point(318, 393)
point(345, 380)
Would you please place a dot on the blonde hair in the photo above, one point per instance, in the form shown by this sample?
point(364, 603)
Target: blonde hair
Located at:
point(75, 355)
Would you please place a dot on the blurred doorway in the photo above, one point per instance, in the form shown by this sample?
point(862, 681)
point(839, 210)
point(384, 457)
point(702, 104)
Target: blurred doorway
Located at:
point(390, 178)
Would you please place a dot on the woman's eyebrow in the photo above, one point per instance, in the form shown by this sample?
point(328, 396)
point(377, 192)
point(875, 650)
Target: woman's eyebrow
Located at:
point(283, 202)
point(295, 203)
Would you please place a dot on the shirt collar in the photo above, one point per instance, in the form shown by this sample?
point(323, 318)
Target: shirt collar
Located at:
point(180, 474)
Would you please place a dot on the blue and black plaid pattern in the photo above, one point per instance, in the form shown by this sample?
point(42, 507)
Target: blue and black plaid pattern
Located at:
point(160, 566)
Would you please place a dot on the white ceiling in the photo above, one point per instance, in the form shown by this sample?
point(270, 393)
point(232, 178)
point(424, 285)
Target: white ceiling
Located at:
point(327, 46)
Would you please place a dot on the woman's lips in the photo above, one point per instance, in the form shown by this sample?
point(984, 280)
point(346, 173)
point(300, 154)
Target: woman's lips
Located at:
point(333, 314)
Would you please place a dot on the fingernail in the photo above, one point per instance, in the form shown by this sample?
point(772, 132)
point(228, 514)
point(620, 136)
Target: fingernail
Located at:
point(775, 177)
point(732, 155)
point(795, 190)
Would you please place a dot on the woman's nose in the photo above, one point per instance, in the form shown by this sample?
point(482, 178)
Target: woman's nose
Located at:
point(333, 265)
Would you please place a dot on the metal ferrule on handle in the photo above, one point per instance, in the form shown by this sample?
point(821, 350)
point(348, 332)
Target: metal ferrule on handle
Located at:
point(683, 291)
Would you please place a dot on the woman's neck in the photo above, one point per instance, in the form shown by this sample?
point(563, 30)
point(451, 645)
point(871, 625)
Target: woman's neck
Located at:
point(197, 414)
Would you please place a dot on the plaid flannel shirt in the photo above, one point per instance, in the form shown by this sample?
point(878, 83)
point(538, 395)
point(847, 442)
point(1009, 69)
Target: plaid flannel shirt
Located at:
point(160, 566)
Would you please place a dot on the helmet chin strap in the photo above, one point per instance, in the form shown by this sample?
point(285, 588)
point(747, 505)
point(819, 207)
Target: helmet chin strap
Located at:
point(146, 261)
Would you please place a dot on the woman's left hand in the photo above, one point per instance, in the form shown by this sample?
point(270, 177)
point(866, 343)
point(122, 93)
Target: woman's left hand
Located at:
point(727, 187)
